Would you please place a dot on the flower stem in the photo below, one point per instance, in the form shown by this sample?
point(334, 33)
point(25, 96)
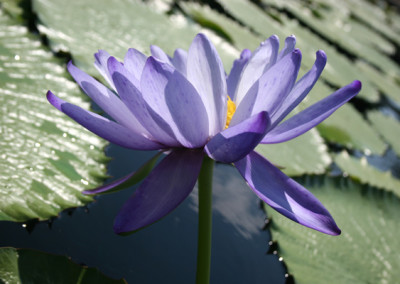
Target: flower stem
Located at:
point(205, 222)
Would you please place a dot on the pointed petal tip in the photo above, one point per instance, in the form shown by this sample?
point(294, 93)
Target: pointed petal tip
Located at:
point(321, 57)
point(274, 37)
point(54, 100)
point(245, 54)
point(296, 55)
point(296, 52)
point(69, 64)
point(112, 63)
point(356, 85)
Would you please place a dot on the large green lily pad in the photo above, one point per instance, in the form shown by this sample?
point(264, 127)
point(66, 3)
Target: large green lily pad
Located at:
point(388, 127)
point(346, 126)
point(83, 27)
point(360, 170)
point(306, 154)
point(339, 70)
point(46, 159)
point(365, 252)
point(19, 266)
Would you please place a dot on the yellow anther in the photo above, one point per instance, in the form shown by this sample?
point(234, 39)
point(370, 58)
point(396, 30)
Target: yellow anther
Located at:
point(231, 108)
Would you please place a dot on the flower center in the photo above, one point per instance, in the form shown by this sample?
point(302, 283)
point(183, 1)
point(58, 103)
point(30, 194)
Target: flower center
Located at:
point(231, 108)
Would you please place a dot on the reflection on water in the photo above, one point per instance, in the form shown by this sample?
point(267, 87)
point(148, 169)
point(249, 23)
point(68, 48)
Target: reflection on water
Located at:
point(164, 252)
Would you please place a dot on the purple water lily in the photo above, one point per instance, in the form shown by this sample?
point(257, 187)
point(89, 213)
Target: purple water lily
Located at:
point(187, 107)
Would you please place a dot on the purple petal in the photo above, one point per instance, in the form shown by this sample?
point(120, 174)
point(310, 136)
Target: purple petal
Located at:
point(285, 195)
point(180, 60)
point(155, 77)
point(290, 43)
point(236, 142)
point(261, 60)
point(160, 54)
point(106, 100)
point(101, 126)
point(236, 71)
point(126, 86)
point(161, 192)
point(100, 63)
point(268, 92)
point(205, 71)
point(134, 62)
point(300, 89)
point(313, 115)
point(128, 180)
point(187, 110)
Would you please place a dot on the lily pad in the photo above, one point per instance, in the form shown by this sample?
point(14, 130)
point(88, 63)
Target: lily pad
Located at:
point(335, 24)
point(306, 154)
point(346, 126)
point(385, 84)
point(365, 252)
point(29, 266)
point(46, 159)
point(388, 127)
point(240, 36)
point(83, 27)
point(359, 169)
point(339, 70)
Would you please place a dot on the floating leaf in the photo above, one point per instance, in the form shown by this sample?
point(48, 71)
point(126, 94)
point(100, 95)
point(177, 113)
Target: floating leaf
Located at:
point(46, 159)
point(346, 126)
point(365, 252)
point(83, 27)
point(339, 70)
point(359, 169)
point(29, 266)
point(240, 36)
point(304, 154)
point(388, 127)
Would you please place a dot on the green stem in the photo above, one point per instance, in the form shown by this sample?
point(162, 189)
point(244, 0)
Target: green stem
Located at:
point(205, 222)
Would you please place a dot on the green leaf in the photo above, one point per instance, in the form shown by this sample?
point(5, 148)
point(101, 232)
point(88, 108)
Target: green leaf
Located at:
point(385, 84)
point(359, 169)
point(365, 252)
point(46, 158)
point(339, 71)
point(388, 127)
point(240, 36)
point(29, 266)
point(306, 154)
point(83, 27)
point(336, 26)
point(346, 126)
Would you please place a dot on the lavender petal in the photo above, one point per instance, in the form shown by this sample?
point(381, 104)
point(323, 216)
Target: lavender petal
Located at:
point(236, 142)
point(162, 191)
point(285, 195)
point(311, 116)
point(103, 127)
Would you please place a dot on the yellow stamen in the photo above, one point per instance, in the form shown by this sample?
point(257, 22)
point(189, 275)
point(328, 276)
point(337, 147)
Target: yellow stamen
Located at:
point(230, 111)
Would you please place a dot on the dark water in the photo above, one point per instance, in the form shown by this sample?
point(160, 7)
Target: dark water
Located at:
point(164, 252)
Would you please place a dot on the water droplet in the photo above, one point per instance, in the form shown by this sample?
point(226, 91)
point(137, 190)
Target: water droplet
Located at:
point(17, 57)
point(91, 147)
point(267, 223)
point(73, 139)
point(280, 258)
point(64, 134)
point(273, 247)
point(24, 225)
point(85, 182)
point(37, 144)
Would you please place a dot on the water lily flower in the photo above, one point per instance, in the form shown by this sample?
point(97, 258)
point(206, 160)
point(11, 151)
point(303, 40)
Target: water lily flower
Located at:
point(187, 107)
